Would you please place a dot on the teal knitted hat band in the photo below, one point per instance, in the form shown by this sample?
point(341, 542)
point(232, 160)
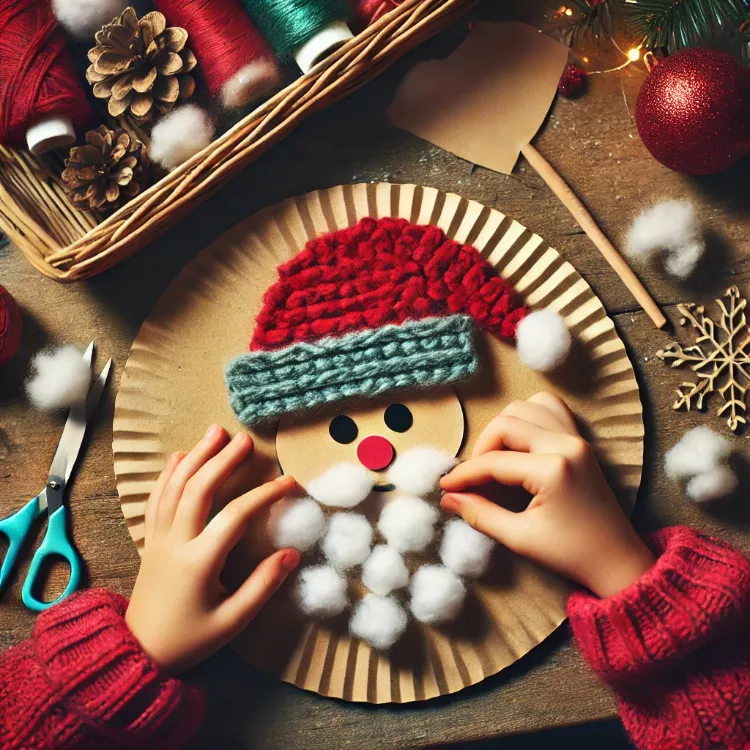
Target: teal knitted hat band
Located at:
point(265, 385)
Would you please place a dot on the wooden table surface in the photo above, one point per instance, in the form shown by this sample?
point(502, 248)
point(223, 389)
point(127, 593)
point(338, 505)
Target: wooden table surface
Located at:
point(594, 144)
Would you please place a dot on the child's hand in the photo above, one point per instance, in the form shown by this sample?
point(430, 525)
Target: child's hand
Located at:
point(179, 612)
point(573, 525)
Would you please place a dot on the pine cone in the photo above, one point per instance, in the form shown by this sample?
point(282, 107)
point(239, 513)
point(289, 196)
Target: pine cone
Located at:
point(107, 172)
point(141, 65)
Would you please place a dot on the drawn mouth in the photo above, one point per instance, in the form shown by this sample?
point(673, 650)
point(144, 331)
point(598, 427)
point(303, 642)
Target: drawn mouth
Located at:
point(378, 487)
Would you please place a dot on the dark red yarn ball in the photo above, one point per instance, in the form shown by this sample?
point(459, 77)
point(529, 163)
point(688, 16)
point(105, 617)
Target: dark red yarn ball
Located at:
point(572, 82)
point(37, 77)
point(11, 326)
point(693, 111)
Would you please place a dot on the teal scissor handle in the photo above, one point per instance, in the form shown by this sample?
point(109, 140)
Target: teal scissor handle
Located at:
point(56, 543)
point(17, 528)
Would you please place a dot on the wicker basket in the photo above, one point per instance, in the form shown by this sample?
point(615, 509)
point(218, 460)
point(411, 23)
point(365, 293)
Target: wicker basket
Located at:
point(67, 245)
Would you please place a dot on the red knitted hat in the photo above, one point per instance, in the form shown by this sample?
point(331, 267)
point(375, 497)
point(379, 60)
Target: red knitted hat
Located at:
point(381, 305)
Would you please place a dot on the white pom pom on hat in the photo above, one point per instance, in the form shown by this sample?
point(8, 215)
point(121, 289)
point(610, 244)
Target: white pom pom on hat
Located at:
point(60, 379)
point(543, 340)
point(83, 18)
point(344, 485)
point(378, 620)
point(417, 471)
point(296, 523)
point(322, 591)
point(179, 135)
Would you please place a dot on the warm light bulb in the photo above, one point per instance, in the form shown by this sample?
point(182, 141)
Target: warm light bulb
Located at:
point(634, 54)
point(568, 12)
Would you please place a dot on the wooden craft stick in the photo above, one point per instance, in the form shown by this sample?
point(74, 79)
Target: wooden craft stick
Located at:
point(586, 221)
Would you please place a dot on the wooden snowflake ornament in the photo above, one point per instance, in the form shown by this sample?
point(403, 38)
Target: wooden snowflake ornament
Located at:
point(719, 358)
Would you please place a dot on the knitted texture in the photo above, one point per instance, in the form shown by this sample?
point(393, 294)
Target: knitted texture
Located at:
point(676, 645)
point(423, 353)
point(11, 326)
point(378, 272)
point(82, 681)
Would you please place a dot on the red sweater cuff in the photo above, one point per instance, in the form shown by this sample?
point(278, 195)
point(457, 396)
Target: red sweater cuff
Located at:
point(698, 590)
point(99, 671)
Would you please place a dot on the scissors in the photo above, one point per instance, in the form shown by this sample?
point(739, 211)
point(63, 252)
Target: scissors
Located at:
point(56, 543)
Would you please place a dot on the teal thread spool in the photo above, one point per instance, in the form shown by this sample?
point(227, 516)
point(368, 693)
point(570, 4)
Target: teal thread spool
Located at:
point(305, 30)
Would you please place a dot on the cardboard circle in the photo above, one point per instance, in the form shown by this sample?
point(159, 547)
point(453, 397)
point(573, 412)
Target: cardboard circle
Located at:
point(173, 387)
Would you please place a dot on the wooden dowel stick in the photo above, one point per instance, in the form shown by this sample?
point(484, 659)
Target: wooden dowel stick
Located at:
point(586, 221)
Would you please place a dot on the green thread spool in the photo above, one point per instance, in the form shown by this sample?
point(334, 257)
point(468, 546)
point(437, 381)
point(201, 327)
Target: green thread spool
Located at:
point(306, 30)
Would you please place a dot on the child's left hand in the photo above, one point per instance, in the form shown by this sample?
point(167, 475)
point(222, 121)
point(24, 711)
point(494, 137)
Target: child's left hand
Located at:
point(179, 611)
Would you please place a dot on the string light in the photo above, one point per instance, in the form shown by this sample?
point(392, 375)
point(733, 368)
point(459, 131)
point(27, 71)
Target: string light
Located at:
point(634, 54)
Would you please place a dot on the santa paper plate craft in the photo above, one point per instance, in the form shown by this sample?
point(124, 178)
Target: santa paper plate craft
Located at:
point(360, 338)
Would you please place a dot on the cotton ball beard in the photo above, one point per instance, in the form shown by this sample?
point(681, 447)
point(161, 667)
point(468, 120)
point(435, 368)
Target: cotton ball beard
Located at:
point(378, 620)
point(384, 571)
point(344, 485)
point(673, 228)
point(296, 523)
point(418, 470)
point(348, 540)
point(321, 592)
point(60, 379)
point(700, 450)
point(180, 135)
point(407, 523)
point(543, 340)
point(437, 594)
point(83, 18)
point(465, 550)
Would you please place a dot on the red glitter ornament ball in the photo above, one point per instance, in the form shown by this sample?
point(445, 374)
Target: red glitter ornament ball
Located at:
point(693, 111)
point(572, 82)
point(10, 326)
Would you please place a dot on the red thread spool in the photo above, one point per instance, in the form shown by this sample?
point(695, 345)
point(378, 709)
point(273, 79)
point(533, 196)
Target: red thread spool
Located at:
point(234, 58)
point(11, 326)
point(368, 11)
point(41, 98)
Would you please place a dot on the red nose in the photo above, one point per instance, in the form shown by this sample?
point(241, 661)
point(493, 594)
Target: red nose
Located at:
point(375, 452)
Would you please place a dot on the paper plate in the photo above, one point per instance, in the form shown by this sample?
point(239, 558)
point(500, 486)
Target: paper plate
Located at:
point(173, 387)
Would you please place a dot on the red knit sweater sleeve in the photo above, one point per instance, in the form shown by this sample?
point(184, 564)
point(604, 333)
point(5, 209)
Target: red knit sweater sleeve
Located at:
point(82, 681)
point(675, 645)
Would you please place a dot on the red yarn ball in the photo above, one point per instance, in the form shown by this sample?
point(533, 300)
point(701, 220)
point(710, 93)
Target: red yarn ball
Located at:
point(693, 111)
point(572, 82)
point(10, 326)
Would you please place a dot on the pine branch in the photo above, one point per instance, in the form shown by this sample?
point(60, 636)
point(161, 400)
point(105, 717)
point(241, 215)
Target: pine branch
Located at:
point(674, 24)
point(594, 18)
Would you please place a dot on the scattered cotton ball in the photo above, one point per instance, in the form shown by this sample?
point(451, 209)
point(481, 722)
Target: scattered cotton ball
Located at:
point(83, 18)
point(671, 227)
point(379, 620)
point(465, 550)
point(296, 523)
point(543, 340)
point(712, 484)
point(407, 523)
point(344, 485)
point(437, 594)
point(700, 450)
point(250, 82)
point(348, 540)
point(384, 571)
point(179, 135)
point(321, 592)
point(61, 378)
point(418, 470)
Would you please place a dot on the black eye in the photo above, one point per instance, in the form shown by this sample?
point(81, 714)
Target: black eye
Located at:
point(398, 417)
point(343, 429)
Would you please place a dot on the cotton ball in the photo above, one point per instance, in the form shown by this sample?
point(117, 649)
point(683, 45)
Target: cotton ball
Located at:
point(296, 523)
point(418, 470)
point(543, 340)
point(379, 620)
point(465, 550)
point(344, 485)
point(83, 18)
point(61, 378)
point(437, 594)
point(671, 227)
point(407, 523)
point(384, 571)
point(700, 450)
point(712, 484)
point(321, 592)
point(348, 540)
point(179, 135)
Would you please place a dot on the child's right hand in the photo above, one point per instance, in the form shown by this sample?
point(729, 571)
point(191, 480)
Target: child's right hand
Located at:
point(573, 524)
